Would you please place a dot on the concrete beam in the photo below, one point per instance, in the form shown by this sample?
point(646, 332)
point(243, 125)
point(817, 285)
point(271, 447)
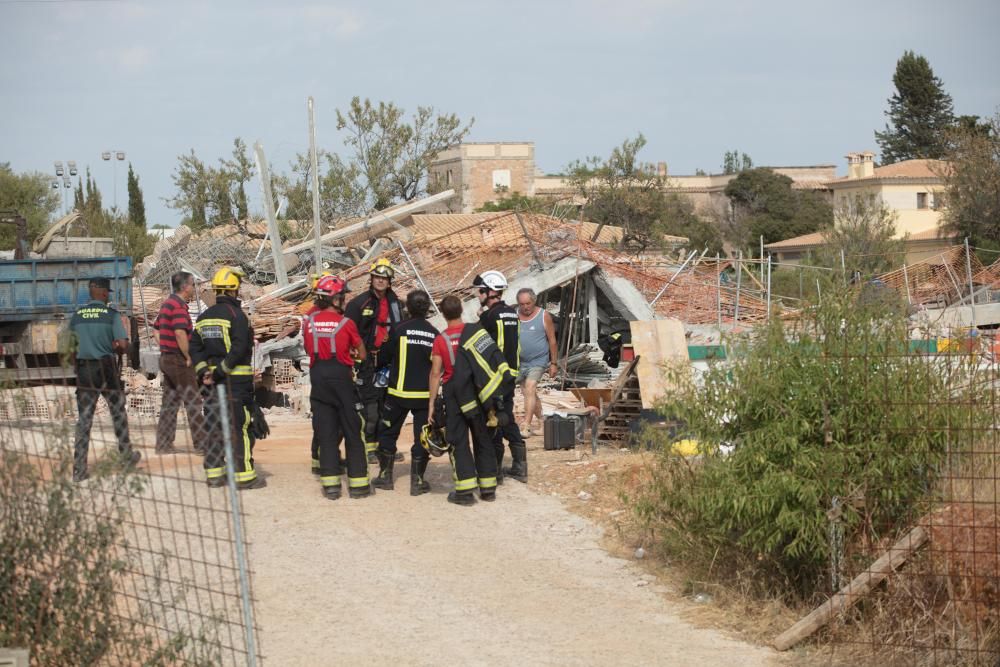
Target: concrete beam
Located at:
point(559, 273)
point(623, 295)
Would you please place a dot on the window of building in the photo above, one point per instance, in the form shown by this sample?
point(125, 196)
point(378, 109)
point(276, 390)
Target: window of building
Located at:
point(921, 200)
point(938, 201)
point(447, 178)
point(501, 179)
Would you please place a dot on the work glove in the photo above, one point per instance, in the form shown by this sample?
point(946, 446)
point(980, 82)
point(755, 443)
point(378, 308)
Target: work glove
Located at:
point(258, 424)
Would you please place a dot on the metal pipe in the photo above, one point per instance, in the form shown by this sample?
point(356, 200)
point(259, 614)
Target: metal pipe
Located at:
point(239, 546)
point(972, 289)
point(739, 281)
point(420, 280)
point(906, 279)
point(531, 244)
point(718, 291)
point(669, 282)
point(768, 288)
point(314, 160)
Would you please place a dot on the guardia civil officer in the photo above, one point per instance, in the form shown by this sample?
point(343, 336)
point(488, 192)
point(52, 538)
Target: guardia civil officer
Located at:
point(222, 352)
point(408, 355)
point(96, 335)
point(333, 343)
point(375, 312)
point(502, 323)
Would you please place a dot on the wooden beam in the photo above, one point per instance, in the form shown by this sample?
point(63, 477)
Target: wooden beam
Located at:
point(854, 591)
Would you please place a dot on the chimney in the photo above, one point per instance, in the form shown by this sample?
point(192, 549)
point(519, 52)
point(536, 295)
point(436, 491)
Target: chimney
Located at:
point(853, 165)
point(661, 169)
point(867, 164)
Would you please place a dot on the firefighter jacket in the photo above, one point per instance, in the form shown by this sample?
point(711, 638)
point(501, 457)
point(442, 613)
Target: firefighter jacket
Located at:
point(502, 322)
point(222, 343)
point(408, 354)
point(364, 310)
point(481, 375)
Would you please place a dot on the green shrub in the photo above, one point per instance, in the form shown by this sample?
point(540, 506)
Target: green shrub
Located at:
point(831, 405)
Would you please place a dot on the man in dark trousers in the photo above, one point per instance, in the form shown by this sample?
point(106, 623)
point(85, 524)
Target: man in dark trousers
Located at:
point(333, 343)
point(97, 335)
point(502, 323)
point(222, 351)
point(408, 355)
point(374, 312)
point(180, 384)
point(474, 374)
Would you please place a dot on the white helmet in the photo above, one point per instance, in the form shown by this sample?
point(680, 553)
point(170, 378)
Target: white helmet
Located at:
point(491, 279)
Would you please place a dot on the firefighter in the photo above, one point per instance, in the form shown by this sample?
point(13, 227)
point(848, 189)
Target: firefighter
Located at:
point(222, 351)
point(474, 375)
point(408, 355)
point(502, 323)
point(375, 313)
point(333, 343)
point(310, 309)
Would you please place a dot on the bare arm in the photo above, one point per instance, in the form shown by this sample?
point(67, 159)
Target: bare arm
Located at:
point(183, 344)
point(434, 384)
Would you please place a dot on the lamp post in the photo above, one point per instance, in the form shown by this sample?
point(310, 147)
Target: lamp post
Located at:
point(64, 174)
point(114, 157)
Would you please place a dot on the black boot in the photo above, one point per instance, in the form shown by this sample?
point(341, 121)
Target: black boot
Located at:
point(418, 485)
point(462, 498)
point(519, 466)
point(361, 491)
point(386, 462)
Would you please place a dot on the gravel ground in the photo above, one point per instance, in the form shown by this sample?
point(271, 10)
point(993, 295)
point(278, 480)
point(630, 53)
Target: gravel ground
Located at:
point(419, 581)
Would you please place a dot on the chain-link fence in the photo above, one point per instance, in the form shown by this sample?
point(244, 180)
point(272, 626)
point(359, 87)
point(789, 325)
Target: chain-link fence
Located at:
point(105, 559)
point(849, 468)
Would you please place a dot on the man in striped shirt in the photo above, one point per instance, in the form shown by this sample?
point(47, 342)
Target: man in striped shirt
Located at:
point(179, 383)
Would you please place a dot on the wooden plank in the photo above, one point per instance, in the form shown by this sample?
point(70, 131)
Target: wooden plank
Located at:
point(658, 342)
point(854, 591)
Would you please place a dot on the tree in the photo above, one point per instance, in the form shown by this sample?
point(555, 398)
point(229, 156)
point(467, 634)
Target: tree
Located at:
point(190, 179)
point(972, 184)
point(622, 191)
point(136, 205)
point(679, 219)
point(920, 113)
point(239, 170)
point(734, 162)
point(864, 231)
point(31, 195)
point(763, 203)
point(341, 193)
point(393, 155)
point(515, 201)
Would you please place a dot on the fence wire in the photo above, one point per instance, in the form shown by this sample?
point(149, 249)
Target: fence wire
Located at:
point(132, 565)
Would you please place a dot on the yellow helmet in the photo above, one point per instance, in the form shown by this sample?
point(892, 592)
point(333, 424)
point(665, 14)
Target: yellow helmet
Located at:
point(316, 277)
point(382, 268)
point(227, 278)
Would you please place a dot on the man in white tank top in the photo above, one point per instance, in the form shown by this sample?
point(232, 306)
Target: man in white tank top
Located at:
point(537, 352)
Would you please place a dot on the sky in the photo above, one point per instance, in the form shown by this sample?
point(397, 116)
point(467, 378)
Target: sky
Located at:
point(788, 82)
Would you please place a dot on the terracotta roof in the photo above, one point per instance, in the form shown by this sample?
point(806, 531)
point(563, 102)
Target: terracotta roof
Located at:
point(429, 226)
point(918, 168)
point(806, 240)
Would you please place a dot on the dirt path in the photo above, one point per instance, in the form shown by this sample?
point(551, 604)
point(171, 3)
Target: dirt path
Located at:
point(419, 581)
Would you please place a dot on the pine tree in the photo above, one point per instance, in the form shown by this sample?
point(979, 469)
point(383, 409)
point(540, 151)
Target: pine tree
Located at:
point(136, 205)
point(78, 200)
point(920, 113)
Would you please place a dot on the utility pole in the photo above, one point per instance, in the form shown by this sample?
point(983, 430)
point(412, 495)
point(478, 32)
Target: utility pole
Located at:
point(314, 160)
point(272, 219)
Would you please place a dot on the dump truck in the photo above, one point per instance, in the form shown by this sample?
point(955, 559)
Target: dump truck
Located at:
point(38, 296)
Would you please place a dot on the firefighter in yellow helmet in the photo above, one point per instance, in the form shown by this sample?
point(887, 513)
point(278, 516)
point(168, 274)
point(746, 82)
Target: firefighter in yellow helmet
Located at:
point(222, 352)
point(375, 312)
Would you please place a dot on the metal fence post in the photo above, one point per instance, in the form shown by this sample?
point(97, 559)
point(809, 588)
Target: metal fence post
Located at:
point(234, 503)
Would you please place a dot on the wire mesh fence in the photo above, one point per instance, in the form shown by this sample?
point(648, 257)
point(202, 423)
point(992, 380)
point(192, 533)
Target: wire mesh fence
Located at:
point(107, 560)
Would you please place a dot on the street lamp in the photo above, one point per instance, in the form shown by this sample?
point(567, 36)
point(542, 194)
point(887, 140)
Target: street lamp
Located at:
point(64, 174)
point(114, 157)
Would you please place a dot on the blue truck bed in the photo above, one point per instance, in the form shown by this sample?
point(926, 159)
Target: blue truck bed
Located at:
point(38, 289)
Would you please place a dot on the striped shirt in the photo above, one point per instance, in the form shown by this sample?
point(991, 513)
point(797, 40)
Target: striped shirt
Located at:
point(173, 316)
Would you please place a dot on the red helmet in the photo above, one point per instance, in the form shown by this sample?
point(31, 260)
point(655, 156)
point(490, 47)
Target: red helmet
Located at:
point(330, 286)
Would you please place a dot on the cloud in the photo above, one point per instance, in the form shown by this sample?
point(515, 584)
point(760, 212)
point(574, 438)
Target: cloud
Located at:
point(127, 59)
